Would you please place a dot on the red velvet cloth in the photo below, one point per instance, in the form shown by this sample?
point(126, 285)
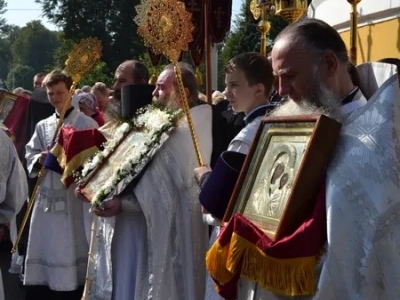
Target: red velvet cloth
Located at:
point(98, 117)
point(74, 142)
point(306, 241)
point(16, 123)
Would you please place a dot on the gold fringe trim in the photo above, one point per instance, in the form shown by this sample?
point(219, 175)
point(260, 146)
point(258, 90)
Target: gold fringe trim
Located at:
point(59, 153)
point(75, 163)
point(286, 277)
point(216, 261)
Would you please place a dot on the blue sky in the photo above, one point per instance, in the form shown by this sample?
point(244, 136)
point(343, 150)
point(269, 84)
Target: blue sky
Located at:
point(22, 11)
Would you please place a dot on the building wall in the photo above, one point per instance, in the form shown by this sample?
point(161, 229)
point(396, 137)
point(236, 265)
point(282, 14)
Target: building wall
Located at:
point(378, 30)
point(376, 41)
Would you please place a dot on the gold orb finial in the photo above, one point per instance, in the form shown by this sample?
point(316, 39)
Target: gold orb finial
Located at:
point(354, 2)
point(83, 57)
point(166, 26)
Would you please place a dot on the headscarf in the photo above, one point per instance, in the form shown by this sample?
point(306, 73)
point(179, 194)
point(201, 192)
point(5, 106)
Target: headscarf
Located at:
point(89, 100)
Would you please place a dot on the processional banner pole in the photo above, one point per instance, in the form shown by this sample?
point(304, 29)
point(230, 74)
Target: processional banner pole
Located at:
point(208, 46)
point(353, 30)
point(262, 8)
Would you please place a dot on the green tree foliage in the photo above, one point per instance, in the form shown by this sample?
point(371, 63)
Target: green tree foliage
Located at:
point(4, 43)
point(3, 9)
point(20, 76)
point(8, 35)
point(34, 46)
point(5, 56)
point(111, 21)
point(99, 73)
point(245, 37)
point(61, 53)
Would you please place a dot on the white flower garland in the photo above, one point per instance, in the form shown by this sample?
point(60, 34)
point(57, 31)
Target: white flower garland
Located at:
point(154, 124)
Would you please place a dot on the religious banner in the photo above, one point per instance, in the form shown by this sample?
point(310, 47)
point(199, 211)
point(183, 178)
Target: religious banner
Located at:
point(15, 111)
point(197, 46)
point(195, 7)
point(219, 16)
point(197, 54)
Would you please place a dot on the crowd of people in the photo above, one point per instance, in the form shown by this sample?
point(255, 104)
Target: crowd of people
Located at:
point(152, 238)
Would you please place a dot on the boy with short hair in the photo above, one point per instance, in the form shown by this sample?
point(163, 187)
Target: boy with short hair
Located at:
point(248, 80)
point(58, 245)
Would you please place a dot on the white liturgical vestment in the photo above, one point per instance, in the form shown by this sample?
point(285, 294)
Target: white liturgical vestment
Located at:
point(362, 200)
point(13, 185)
point(59, 234)
point(156, 248)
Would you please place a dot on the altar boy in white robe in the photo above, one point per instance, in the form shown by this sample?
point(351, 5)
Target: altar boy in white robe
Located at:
point(58, 243)
point(13, 184)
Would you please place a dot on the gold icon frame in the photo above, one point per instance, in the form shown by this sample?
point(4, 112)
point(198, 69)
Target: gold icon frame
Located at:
point(283, 172)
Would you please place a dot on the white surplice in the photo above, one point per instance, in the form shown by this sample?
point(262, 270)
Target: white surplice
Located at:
point(362, 199)
point(155, 249)
point(13, 185)
point(58, 242)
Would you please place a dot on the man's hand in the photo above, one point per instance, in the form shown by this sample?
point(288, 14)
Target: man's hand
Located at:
point(111, 208)
point(43, 157)
point(79, 195)
point(200, 171)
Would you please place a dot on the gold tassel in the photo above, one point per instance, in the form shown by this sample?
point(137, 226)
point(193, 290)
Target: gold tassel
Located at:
point(154, 77)
point(199, 78)
point(286, 277)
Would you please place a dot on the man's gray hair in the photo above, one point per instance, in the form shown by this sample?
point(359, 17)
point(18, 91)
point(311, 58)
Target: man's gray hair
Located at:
point(189, 82)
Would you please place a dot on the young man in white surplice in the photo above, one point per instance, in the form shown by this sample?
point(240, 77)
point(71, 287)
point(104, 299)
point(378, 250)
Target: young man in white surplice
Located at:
point(58, 242)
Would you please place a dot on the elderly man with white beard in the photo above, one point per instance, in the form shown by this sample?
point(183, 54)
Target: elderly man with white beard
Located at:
point(362, 252)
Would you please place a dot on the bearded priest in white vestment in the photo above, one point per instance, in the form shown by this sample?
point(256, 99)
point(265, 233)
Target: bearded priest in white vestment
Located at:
point(13, 185)
point(363, 182)
point(171, 239)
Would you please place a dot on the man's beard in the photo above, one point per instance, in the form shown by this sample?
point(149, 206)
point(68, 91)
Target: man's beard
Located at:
point(169, 102)
point(113, 111)
point(321, 100)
